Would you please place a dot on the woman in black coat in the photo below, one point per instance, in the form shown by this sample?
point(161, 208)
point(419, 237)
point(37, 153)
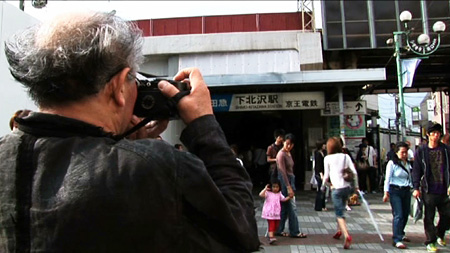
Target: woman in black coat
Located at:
point(319, 155)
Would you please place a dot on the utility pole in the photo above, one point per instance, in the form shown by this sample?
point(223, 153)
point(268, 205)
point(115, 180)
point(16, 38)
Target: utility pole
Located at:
point(397, 119)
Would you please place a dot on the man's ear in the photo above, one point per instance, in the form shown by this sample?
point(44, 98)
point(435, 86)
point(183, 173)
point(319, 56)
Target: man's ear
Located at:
point(118, 83)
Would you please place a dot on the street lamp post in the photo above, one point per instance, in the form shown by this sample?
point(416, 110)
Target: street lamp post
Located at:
point(423, 47)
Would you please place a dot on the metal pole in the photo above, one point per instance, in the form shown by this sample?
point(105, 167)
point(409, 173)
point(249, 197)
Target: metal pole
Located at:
point(341, 112)
point(397, 119)
point(448, 109)
point(389, 128)
point(442, 113)
point(397, 36)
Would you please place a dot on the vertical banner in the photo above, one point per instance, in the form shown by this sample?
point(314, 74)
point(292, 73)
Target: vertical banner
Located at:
point(408, 69)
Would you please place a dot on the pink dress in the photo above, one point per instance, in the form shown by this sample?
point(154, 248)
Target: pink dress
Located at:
point(272, 206)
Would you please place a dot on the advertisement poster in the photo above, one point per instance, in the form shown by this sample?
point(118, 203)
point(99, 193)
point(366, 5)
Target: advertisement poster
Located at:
point(355, 126)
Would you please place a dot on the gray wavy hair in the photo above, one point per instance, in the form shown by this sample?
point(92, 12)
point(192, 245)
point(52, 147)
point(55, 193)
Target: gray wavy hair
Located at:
point(73, 58)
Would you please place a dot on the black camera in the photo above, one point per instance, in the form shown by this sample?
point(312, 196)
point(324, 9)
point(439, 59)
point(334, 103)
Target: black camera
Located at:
point(151, 102)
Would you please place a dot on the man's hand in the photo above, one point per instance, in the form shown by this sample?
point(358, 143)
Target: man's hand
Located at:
point(416, 194)
point(197, 103)
point(151, 130)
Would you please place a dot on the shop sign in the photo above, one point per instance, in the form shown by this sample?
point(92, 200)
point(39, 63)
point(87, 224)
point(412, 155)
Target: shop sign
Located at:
point(268, 101)
point(350, 108)
point(355, 126)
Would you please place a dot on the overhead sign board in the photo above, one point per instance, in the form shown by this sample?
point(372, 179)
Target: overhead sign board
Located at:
point(350, 108)
point(268, 101)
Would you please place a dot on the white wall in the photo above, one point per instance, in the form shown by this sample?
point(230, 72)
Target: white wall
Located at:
point(253, 62)
point(307, 45)
point(13, 96)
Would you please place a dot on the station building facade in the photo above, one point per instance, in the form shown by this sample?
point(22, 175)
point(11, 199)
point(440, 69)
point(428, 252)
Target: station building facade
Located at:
point(264, 72)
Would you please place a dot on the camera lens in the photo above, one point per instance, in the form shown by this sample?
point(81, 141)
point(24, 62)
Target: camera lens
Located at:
point(148, 102)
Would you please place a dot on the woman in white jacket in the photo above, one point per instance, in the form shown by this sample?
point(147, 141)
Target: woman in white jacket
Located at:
point(335, 163)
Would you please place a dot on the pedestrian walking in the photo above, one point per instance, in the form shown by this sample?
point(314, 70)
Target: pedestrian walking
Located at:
point(430, 176)
point(285, 165)
point(362, 166)
point(397, 190)
point(371, 155)
point(336, 163)
point(272, 206)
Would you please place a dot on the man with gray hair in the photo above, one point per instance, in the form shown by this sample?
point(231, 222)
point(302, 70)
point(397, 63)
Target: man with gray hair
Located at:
point(69, 182)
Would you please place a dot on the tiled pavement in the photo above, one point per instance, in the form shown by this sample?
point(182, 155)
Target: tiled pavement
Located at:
point(320, 226)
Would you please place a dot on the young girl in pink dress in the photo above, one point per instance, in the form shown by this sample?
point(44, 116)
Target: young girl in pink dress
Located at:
point(272, 207)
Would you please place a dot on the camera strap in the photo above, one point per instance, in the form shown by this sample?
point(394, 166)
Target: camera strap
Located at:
point(177, 97)
point(133, 129)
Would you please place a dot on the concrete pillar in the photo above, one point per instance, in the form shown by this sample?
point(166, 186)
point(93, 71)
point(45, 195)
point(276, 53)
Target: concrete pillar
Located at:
point(175, 127)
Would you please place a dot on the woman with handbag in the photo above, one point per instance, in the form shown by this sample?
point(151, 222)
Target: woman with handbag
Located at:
point(340, 170)
point(397, 190)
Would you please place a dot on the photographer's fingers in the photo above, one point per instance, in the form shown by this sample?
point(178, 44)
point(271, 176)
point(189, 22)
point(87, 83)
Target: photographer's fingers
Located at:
point(167, 89)
point(155, 127)
point(193, 74)
point(198, 102)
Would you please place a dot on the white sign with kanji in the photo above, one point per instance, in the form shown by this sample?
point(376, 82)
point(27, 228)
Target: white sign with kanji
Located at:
point(268, 101)
point(350, 108)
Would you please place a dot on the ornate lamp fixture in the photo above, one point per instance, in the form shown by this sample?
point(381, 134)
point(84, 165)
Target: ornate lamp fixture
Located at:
point(423, 46)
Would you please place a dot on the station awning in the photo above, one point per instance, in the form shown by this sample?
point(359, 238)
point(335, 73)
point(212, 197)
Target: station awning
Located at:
point(314, 78)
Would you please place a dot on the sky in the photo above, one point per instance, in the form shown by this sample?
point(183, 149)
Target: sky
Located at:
point(136, 10)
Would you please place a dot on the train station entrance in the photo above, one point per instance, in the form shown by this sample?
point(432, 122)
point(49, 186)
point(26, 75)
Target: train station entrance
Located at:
point(252, 132)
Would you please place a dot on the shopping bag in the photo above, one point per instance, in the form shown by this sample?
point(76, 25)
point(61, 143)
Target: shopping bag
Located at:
point(416, 209)
point(313, 181)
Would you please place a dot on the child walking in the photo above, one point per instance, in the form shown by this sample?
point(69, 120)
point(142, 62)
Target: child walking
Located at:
point(272, 207)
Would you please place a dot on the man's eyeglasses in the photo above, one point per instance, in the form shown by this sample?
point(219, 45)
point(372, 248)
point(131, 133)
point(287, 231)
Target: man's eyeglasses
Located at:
point(138, 82)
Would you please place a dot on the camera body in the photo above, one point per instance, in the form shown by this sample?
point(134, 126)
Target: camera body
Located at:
point(151, 102)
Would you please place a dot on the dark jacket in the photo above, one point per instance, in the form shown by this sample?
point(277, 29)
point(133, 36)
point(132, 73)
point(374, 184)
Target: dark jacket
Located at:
point(92, 193)
point(318, 162)
point(420, 173)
